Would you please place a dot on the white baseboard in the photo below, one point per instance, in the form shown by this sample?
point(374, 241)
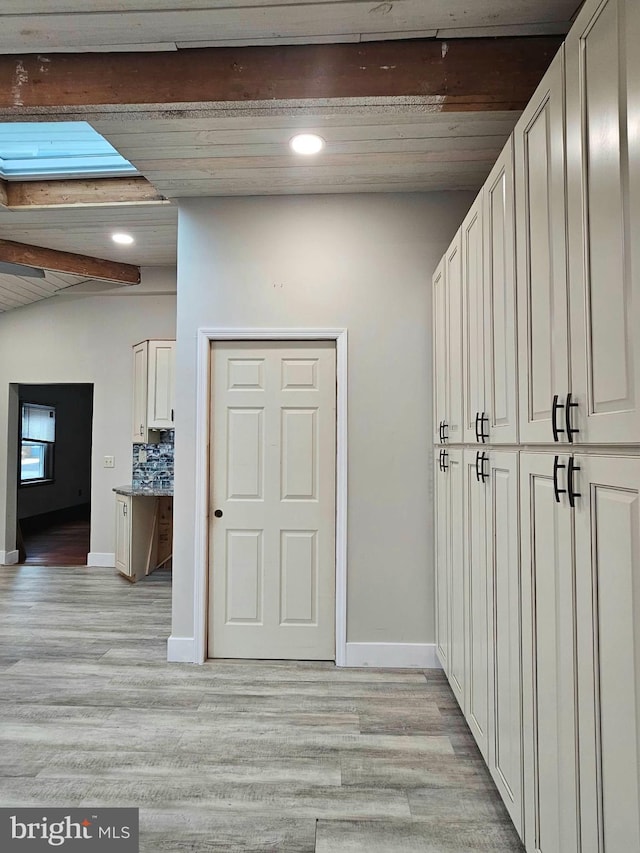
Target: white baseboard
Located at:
point(8, 558)
point(181, 650)
point(95, 558)
point(393, 655)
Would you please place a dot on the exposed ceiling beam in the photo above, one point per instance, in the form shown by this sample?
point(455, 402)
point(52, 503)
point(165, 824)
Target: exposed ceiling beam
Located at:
point(65, 262)
point(66, 193)
point(459, 75)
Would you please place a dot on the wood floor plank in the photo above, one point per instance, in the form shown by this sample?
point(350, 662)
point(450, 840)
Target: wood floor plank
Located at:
point(233, 756)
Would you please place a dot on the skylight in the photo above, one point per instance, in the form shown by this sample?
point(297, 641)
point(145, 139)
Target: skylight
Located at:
point(71, 149)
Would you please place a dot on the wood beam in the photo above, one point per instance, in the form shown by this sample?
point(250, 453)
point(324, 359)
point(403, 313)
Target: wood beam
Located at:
point(457, 75)
point(99, 192)
point(66, 262)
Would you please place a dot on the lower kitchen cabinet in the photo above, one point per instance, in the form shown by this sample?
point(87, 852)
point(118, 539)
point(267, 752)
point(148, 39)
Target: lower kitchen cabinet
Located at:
point(478, 604)
point(450, 575)
point(581, 652)
point(142, 525)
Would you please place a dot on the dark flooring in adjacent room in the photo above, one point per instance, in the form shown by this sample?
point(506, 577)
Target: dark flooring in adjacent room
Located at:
point(59, 543)
point(232, 756)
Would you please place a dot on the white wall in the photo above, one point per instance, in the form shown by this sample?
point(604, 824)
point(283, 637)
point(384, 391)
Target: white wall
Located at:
point(84, 339)
point(360, 262)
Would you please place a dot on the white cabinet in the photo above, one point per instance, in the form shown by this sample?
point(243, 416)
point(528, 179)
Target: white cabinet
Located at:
point(505, 758)
point(473, 321)
point(581, 647)
point(138, 533)
point(153, 387)
point(490, 408)
point(453, 280)
point(603, 162)
point(440, 358)
point(500, 318)
point(607, 574)
point(548, 654)
point(542, 259)
point(477, 704)
point(161, 384)
point(450, 575)
point(123, 535)
point(140, 392)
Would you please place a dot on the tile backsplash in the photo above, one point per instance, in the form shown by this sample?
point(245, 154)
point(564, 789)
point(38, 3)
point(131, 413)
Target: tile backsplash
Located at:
point(157, 471)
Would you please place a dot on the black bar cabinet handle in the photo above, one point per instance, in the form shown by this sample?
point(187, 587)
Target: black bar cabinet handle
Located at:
point(556, 490)
point(570, 489)
point(483, 458)
point(478, 465)
point(570, 404)
point(554, 419)
point(445, 467)
point(484, 435)
point(478, 427)
point(445, 427)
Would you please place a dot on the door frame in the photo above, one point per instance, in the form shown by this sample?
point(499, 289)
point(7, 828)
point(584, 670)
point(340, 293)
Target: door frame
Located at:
point(203, 373)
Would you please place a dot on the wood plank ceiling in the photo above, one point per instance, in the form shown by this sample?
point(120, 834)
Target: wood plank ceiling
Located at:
point(373, 144)
point(16, 291)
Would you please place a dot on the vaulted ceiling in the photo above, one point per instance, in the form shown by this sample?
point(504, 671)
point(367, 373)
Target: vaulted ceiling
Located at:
point(203, 100)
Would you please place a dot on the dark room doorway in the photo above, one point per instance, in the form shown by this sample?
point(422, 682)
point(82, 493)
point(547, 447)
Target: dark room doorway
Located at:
point(54, 474)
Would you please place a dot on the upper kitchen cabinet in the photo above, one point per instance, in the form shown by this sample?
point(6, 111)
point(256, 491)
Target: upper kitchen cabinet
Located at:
point(447, 345)
point(490, 407)
point(472, 323)
point(603, 181)
point(153, 387)
point(500, 422)
point(542, 289)
point(440, 369)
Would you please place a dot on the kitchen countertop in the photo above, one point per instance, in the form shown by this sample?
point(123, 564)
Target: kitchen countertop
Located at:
point(143, 492)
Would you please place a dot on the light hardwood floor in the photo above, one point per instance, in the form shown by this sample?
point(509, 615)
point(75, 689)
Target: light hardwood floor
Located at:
point(231, 757)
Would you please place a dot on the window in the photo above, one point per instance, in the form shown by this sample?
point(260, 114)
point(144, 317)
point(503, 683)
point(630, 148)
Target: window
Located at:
point(47, 149)
point(37, 443)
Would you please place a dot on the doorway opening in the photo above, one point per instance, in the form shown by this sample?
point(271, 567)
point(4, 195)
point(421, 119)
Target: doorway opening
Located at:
point(55, 424)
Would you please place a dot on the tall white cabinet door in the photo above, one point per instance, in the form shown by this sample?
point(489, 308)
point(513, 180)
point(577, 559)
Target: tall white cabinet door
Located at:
point(500, 320)
point(161, 384)
point(477, 702)
point(457, 573)
point(440, 368)
point(473, 405)
point(505, 670)
point(607, 526)
point(139, 426)
point(541, 257)
point(548, 654)
point(123, 535)
point(441, 555)
point(604, 276)
point(453, 276)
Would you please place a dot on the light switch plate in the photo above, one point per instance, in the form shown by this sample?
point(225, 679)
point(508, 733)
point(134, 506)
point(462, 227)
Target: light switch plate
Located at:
point(109, 462)
point(142, 456)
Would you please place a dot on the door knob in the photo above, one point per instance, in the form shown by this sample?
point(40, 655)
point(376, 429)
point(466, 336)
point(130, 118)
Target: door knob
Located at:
point(218, 513)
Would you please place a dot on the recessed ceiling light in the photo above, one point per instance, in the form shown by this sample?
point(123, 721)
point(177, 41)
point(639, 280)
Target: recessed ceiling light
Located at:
point(307, 143)
point(123, 239)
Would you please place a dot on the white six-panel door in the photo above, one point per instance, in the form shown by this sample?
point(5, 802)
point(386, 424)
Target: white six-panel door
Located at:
point(548, 654)
point(602, 152)
point(607, 525)
point(272, 500)
point(541, 257)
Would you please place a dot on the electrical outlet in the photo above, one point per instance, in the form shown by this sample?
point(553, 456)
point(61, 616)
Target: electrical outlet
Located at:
point(109, 462)
point(142, 456)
